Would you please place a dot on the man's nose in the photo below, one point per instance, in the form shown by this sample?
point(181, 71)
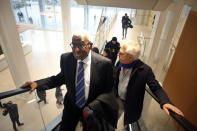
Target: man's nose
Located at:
point(76, 48)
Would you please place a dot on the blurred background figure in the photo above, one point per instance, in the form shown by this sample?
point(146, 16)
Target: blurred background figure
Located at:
point(42, 96)
point(126, 22)
point(95, 49)
point(114, 47)
point(30, 20)
point(59, 96)
point(20, 16)
point(107, 53)
point(12, 109)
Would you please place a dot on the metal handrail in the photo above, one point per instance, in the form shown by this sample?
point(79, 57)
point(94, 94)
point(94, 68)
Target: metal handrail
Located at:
point(14, 92)
point(103, 46)
point(188, 126)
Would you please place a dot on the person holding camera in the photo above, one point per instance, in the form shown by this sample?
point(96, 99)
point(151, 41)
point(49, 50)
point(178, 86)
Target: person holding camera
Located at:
point(12, 109)
point(114, 47)
point(126, 22)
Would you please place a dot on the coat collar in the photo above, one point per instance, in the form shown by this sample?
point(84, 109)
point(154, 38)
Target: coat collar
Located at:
point(72, 69)
point(138, 66)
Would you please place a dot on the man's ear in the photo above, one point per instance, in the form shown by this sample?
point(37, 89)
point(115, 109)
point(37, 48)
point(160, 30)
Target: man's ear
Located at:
point(131, 57)
point(90, 45)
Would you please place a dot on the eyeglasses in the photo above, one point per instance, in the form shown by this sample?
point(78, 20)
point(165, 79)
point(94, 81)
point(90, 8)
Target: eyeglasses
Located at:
point(79, 45)
point(121, 54)
point(124, 54)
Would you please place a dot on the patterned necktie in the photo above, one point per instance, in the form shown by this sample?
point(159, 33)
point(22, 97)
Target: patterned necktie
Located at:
point(80, 87)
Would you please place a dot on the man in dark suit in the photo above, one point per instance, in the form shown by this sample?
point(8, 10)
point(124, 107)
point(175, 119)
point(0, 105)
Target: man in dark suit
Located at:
point(12, 109)
point(87, 76)
point(132, 75)
point(126, 22)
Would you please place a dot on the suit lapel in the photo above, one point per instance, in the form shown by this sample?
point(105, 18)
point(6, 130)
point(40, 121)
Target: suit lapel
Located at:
point(133, 72)
point(92, 74)
point(136, 67)
point(72, 70)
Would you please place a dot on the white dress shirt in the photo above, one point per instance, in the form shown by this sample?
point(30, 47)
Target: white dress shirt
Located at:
point(86, 66)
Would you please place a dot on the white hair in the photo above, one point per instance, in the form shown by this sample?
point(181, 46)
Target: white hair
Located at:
point(131, 48)
point(83, 35)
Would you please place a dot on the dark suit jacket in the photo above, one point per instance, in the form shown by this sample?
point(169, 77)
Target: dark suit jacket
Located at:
point(141, 75)
point(13, 112)
point(125, 22)
point(41, 94)
point(101, 80)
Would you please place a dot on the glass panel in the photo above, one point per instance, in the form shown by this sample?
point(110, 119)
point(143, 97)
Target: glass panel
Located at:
point(23, 109)
point(43, 49)
point(154, 118)
point(43, 61)
point(6, 81)
point(77, 23)
point(94, 18)
point(51, 109)
point(78, 17)
point(46, 14)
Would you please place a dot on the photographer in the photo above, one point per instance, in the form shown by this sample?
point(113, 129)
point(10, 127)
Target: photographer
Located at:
point(114, 47)
point(12, 109)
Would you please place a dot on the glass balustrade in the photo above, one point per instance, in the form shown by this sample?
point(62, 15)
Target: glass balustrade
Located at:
point(28, 110)
point(33, 114)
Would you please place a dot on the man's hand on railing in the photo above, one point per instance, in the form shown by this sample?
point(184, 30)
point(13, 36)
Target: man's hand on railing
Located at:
point(168, 107)
point(33, 86)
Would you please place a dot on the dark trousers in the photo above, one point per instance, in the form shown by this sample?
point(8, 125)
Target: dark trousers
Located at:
point(14, 123)
point(131, 126)
point(71, 116)
point(42, 100)
point(114, 57)
point(124, 32)
point(1, 105)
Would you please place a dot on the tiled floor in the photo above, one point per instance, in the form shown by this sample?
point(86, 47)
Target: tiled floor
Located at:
point(44, 61)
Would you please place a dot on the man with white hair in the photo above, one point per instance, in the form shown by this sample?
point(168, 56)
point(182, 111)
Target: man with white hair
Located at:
point(132, 75)
point(88, 78)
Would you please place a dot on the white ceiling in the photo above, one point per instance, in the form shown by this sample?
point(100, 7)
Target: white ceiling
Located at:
point(157, 5)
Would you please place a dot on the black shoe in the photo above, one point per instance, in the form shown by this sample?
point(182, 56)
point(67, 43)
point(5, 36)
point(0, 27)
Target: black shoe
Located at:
point(21, 124)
